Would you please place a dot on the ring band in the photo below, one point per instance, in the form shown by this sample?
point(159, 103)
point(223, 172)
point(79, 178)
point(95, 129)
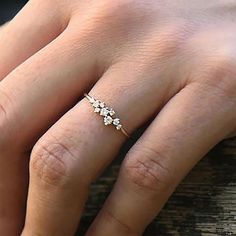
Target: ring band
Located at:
point(109, 115)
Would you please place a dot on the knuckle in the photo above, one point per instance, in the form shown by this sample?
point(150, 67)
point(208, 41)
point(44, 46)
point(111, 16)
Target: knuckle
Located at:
point(52, 163)
point(6, 121)
point(166, 44)
point(218, 64)
point(120, 16)
point(4, 137)
point(145, 168)
point(119, 8)
point(221, 75)
point(3, 119)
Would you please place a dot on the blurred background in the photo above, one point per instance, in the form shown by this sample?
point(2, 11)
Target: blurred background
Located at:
point(8, 8)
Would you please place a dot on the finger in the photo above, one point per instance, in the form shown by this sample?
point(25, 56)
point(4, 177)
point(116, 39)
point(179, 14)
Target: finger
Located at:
point(37, 24)
point(186, 129)
point(13, 188)
point(77, 149)
point(31, 94)
point(30, 101)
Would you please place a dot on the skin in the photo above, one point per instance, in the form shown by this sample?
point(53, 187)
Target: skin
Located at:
point(169, 62)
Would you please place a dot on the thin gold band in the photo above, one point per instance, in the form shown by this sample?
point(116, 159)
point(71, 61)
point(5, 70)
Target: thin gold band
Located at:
point(108, 114)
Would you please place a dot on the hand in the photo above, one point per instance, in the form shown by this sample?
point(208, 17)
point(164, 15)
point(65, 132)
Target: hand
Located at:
point(173, 61)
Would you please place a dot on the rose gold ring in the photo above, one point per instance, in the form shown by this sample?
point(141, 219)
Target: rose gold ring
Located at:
point(108, 114)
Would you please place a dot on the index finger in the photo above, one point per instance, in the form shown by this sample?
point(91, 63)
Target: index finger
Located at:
point(37, 24)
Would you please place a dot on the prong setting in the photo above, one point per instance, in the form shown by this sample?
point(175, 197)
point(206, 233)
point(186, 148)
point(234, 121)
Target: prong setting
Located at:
point(108, 114)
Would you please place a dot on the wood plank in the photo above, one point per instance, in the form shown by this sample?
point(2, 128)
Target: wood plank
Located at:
point(203, 205)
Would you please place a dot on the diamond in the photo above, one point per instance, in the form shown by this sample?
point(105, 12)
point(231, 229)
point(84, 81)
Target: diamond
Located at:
point(118, 127)
point(112, 112)
point(108, 120)
point(116, 121)
point(104, 112)
point(102, 104)
point(96, 103)
point(97, 110)
point(91, 100)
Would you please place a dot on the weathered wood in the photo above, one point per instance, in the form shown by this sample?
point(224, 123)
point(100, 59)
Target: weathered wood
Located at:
point(203, 205)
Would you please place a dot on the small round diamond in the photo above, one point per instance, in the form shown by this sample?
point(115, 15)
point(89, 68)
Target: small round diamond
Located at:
point(116, 121)
point(96, 103)
point(112, 112)
point(104, 112)
point(92, 100)
point(108, 120)
point(97, 110)
point(102, 104)
point(118, 127)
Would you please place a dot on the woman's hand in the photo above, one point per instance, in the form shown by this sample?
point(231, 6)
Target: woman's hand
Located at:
point(173, 61)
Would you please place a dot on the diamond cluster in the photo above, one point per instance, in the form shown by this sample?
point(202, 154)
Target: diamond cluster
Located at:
point(107, 113)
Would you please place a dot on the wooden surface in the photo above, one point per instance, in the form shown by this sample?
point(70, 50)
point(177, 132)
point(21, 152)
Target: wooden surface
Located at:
point(203, 205)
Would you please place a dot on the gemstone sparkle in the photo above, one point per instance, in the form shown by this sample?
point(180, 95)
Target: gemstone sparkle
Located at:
point(96, 103)
point(118, 127)
point(108, 120)
point(104, 112)
point(97, 109)
point(116, 121)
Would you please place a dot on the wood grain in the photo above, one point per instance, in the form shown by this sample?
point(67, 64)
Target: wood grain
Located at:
point(203, 205)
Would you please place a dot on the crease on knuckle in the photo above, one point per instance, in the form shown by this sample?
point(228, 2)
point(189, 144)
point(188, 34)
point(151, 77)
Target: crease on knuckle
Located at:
point(5, 101)
point(5, 119)
point(51, 163)
point(3, 109)
point(146, 169)
point(110, 217)
point(220, 74)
